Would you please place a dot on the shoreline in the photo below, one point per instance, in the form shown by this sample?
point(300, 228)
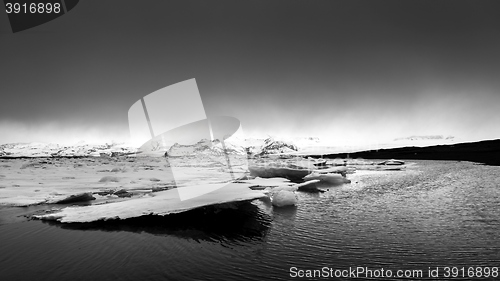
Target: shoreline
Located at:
point(485, 152)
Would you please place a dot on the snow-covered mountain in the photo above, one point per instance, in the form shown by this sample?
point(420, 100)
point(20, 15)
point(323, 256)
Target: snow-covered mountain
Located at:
point(205, 147)
point(273, 146)
point(424, 138)
point(422, 141)
point(258, 147)
point(234, 145)
point(36, 149)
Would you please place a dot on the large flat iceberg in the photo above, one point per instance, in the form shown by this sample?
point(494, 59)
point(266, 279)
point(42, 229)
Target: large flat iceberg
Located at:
point(161, 203)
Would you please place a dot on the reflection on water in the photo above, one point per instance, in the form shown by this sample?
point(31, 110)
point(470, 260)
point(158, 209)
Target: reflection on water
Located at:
point(435, 214)
point(245, 223)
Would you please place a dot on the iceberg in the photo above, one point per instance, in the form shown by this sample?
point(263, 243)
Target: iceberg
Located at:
point(74, 198)
point(327, 178)
point(310, 186)
point(261, 183)
point(284, 198)
point(161, 203)
point(295, 175)
point(343, 170)
point(393, 162)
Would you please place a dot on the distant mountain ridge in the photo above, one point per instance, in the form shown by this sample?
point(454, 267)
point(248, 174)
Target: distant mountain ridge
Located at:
point(272, 146)
point(205, 147)
point(17, 150)
point(429, 137)
point(237, 146)
point(268, 146)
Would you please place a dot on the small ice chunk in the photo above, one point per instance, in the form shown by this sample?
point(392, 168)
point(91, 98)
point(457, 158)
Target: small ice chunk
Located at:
point(284, 198)
point(392, 162)
point(308, 186)
point(294, 175)
point(80, 197)
point(327, 178)
point(261, 183)
point(109, 179)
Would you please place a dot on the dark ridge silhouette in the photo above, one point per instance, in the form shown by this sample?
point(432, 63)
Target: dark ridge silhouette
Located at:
point(486, 152)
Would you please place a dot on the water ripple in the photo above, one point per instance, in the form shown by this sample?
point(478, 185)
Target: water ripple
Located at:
point(435, 214)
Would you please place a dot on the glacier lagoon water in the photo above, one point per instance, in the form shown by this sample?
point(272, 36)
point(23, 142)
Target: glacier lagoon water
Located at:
point(439, 214)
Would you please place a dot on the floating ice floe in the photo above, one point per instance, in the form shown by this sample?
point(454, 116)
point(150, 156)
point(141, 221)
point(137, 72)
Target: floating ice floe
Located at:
point(162, 203)
point(327, 178)
point(283, 198)
point(295, 175)
point(390, 167)
point(393, 162)
point(343, 170)
point(261, 183)
point(310, 186)
point(81, 197)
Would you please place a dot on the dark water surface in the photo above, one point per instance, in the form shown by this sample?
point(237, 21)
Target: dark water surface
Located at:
point(435, 214)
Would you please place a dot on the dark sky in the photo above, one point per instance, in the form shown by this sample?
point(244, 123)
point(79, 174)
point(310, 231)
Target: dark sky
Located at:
point(350, 71)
